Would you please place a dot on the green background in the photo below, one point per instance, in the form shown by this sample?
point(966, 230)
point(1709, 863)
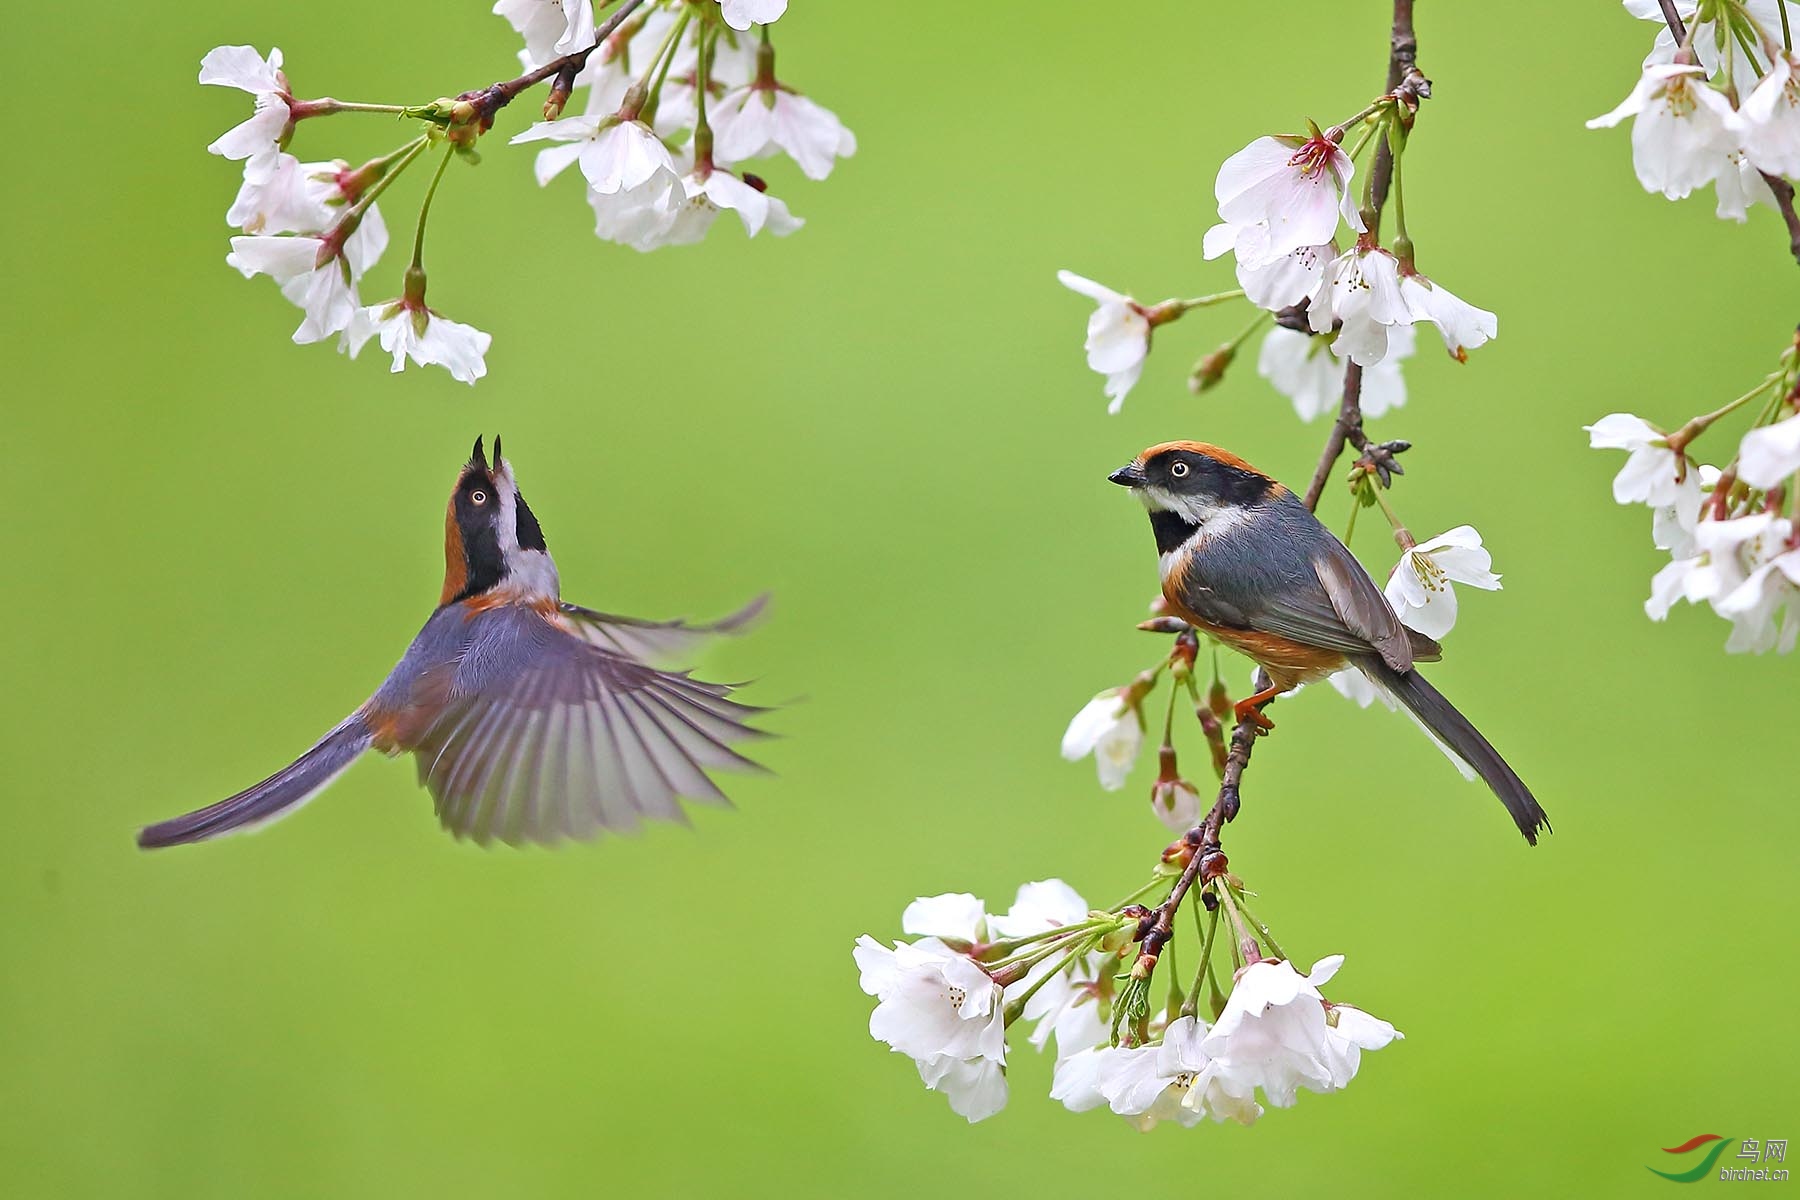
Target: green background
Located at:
point(217, 543)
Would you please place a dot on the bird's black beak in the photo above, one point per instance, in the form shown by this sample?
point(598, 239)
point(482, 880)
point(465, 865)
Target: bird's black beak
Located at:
point(1130, 475)
point(478, 457)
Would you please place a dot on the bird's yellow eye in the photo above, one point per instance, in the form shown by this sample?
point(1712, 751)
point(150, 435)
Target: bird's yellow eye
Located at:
point(478, 496)
point(1178, 469)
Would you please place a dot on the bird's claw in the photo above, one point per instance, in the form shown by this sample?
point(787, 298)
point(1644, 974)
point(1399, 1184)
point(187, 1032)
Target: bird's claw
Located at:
point(1246, 710)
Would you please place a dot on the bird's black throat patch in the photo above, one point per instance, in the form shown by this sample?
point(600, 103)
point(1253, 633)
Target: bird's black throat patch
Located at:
point(525, 525)
point(1171, 529)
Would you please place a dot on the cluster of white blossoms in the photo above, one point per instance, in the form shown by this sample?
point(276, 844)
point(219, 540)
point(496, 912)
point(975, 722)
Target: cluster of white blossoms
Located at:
point(950, 999)
point(1284, 203)
point(678, 94)
point(674, 107)
point(1732, 534)
point(1720, 104)
point(1721, 107)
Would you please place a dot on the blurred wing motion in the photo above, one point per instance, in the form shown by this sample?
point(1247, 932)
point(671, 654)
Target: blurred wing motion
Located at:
point(274, 797)
point(655, 641)
point(555, 732)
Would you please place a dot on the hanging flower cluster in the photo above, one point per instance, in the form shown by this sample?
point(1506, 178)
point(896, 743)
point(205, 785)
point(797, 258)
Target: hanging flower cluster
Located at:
point(676, 97)
point(1733, 533)
point(1301, 229)
point(1251, 1031)
point(1720, 105)
point(1718, 102)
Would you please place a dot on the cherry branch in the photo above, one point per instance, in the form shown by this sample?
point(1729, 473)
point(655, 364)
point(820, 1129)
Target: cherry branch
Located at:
point(1403, 78)
point(1206, 861)
point(491, 99)
point(1781, 189)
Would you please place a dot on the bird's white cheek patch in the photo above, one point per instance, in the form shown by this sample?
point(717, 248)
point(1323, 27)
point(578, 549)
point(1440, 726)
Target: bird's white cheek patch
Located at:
point(506, 532)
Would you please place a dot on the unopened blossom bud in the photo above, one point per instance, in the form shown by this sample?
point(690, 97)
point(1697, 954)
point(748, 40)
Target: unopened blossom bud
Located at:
point(1209, 372)
point(1173, 799)
point(1219, 699)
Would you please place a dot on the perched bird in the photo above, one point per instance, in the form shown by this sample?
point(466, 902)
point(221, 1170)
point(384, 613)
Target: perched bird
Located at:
point(531, 719)
point(1244, 561)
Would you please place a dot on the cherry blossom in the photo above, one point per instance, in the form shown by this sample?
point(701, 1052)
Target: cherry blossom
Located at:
point(615, 154)
point(1422, 590)
point(934, 1001)
point(1771, 119)
point(1118, 336)
point(1684, 129)
point(1462, 326)
point(1294, 189)
point(1738, 186)
point(1301, 367)
point(945, 1012)
point(287, 197)
point(1064, 1004)
point(707, 194)
point(1752, 607)
point(318, 274)
point(742, 14)
point(408, 329)
point(1110, 729)
point(1730, 573)
point(1768, 455)
point(259, 137)
point(1360, 289)
point(641, 216)
point(763, 117)
point(1274, 1034)
point(952, 917)
point(551, 28)
point(1649, 474)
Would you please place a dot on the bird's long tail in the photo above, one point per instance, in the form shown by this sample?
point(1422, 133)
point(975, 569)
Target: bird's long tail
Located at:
point(1454, 732)
point(275, 797)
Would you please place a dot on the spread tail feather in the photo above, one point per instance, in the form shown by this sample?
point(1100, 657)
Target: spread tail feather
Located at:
point(1453, 731)
point(274, 797)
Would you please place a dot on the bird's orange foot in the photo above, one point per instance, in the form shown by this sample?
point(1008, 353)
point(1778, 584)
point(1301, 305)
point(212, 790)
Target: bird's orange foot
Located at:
point(1247, 710)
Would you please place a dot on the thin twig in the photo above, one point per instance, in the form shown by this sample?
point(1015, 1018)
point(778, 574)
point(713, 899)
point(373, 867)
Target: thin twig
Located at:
point(492, 99)
point(1403, 69)
point(1207, 861)
point(1674, 20)
point(1781, 189)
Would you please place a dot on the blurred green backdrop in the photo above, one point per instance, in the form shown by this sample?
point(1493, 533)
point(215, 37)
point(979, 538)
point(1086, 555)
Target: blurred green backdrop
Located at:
point(219, 542)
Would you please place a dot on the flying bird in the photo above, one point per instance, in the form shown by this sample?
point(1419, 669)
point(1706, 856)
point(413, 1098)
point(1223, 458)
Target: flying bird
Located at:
point(1244, 561)
point(531, 719)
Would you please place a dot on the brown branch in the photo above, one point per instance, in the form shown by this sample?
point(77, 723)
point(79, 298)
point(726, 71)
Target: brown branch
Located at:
point(1206, 860)
point(1779, 188)
point(491, 99)
point(1403, 79)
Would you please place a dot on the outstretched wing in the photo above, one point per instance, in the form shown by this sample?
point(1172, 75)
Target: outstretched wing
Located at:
point(548, 736)
point(655, 641)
